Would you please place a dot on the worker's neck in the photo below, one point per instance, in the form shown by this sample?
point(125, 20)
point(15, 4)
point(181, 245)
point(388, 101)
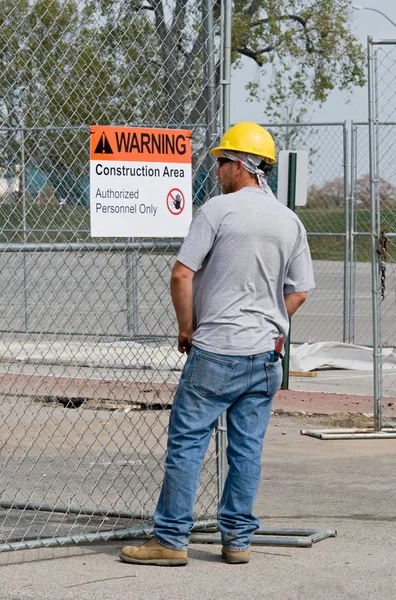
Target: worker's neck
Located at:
point(246, 181)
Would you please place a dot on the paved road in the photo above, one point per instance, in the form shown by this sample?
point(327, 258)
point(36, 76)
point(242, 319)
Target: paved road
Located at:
point(86, 293)
point(306, 483)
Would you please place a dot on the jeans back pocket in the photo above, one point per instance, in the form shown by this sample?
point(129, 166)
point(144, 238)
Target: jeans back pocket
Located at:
point(274, 374)
point(210, 375)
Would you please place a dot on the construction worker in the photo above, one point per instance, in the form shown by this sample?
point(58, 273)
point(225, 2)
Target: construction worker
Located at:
point(243, 270)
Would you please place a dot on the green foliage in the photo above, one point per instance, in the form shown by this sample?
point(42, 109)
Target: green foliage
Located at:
point(67, 64)
point(72, 63)
point(306, 46)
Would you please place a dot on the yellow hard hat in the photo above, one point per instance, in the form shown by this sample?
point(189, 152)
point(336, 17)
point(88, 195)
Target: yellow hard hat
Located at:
point(248, 137)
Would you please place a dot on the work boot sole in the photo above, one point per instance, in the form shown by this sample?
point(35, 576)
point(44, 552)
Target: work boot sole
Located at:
point(236, 561)
point(161, 562)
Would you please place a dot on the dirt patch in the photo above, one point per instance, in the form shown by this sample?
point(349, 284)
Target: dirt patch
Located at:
point(337, 419)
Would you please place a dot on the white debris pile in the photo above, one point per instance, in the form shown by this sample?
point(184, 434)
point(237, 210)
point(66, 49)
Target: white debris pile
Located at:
point(336, 355)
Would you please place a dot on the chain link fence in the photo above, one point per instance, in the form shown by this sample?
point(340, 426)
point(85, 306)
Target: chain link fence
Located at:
point(361, 331)
point(88, 365)
point(324, 317)
point(382, 118)
point(129, 290)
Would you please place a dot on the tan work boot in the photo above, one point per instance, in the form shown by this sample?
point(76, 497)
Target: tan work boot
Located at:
point(235, 558)
point(153, 553)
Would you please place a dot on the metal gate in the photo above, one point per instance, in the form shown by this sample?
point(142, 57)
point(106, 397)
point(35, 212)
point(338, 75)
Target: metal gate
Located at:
point(382, 117)
point(88, 366)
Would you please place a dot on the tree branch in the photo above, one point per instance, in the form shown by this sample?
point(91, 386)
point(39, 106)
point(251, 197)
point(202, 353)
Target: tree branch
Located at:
point(282, 18)
point(256, 55)
point(179, 17)
point(308, 42)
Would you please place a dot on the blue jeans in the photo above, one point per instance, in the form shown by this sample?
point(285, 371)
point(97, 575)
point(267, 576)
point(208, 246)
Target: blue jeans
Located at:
point(210, 384)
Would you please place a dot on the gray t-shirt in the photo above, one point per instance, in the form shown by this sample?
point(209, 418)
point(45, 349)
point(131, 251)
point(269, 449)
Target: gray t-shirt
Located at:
point(247, 250)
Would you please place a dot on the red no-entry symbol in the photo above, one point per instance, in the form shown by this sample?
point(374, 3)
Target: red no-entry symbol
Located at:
point(175, 201)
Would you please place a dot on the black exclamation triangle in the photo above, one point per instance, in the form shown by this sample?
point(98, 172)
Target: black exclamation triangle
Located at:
point(103, 146)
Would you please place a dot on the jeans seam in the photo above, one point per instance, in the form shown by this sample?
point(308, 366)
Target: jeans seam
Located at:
point(249, 373)
point(237, 548)
point(166, 545)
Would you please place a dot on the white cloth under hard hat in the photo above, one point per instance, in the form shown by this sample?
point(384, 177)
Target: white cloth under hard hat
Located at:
point(251, 163)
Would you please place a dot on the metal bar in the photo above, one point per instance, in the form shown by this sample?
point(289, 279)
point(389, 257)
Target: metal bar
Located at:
point(323, 124)
point(210, 89)
point(291, 203)
point(115, 365)
point(226, 71)
point(322, 535)
point(125, 246)
point(149, 338)
point(377, 355)
point(388, 234)
point(24, 229)
point(324, 233)
point(197, 125)
point(304, 541)
point(221, 453)
point(382, 42)
point(257, 540)
point(379, 218)
point(347, 264)
point(352, 244)
point(131, 289)
point(353, 436)
point(221, 427)
point(379, 123)
point(284, 531)
point(74, 510)
point(340, 430)
point(91, 246)
point(71, 539)
point(152, 337)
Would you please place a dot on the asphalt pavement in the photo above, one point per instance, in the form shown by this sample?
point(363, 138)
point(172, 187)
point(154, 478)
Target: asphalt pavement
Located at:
point(343, 485)
point(348, 486)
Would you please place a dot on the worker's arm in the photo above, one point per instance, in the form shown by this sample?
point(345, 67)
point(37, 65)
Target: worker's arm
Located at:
point(181, 292)
point(294, 301)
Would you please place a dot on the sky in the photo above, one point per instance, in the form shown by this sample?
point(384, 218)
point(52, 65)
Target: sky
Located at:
point(340, 106)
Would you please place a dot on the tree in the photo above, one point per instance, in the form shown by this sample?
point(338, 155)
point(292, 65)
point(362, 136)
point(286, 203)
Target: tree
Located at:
point(387, 192)
point(69, 63)
point(329, 195)
point(115, 59)
point(307, 46)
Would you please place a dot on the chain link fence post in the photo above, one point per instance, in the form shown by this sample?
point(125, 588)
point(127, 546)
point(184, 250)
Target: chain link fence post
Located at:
point(221, 429)
point(382, 114)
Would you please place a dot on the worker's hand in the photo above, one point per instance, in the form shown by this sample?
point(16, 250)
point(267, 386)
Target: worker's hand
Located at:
point(184, 342)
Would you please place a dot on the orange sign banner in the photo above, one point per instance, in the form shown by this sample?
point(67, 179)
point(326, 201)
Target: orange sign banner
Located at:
point(140, 144)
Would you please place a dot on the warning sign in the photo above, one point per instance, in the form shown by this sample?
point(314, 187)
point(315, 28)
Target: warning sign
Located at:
point(140, 182)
